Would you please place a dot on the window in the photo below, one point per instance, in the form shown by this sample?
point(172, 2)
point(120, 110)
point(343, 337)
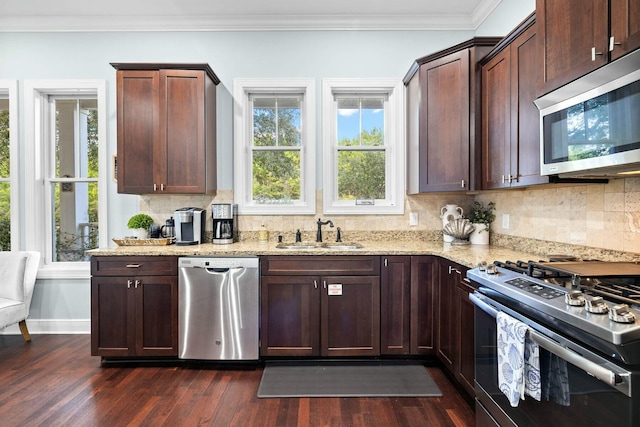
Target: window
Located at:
point(363, 147)
point(274, 147)
point(8, 161)
point(67, 139)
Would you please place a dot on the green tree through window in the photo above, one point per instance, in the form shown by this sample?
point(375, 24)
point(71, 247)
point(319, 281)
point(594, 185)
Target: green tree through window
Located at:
point(5, 189)
point(276, 149)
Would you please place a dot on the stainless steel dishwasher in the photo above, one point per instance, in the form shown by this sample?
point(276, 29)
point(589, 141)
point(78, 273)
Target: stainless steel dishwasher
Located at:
point(218, 308)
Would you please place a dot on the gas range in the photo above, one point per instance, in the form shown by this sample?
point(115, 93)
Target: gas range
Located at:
point(597, 298)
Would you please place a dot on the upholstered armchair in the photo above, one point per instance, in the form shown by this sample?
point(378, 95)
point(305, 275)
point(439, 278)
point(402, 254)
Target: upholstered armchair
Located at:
point(18, 270)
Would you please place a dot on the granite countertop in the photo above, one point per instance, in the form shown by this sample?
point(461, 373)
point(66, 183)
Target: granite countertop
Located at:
point(468, 255)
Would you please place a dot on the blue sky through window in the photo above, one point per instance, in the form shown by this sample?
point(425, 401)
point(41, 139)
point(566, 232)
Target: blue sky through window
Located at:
point(354, 113)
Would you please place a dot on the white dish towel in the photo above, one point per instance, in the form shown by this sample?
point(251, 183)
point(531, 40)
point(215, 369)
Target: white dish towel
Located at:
point(518, 360)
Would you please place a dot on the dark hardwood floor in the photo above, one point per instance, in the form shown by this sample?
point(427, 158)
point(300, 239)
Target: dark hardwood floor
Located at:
point(53, 381)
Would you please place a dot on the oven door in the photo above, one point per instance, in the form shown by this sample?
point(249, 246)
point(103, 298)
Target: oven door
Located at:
point(582, 388)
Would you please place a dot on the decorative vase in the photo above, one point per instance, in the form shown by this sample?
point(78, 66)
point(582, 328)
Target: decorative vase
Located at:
point(449, 213)
point(141, 233)
point(480, 235)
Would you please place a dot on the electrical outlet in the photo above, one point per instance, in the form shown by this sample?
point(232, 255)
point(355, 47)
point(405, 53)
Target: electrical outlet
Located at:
point(505, 221)
point(413, 218)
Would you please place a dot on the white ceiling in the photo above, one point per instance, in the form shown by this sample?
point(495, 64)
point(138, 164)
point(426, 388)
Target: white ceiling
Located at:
point(220, 15)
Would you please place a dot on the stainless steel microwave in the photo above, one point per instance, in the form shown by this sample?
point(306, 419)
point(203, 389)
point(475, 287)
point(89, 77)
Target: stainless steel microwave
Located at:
point(591, 127)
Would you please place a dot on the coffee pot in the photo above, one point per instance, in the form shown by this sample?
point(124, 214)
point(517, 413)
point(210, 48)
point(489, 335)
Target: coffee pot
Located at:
point(168, 230)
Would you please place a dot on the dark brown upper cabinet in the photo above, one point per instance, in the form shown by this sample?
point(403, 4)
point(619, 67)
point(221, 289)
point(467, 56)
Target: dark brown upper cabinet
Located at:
point(443, 118)
point(581, 35)
point(166, 128)
point(511, 76)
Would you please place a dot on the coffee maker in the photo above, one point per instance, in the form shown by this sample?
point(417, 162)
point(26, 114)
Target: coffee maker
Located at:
point(225, 223)
point(189, 226)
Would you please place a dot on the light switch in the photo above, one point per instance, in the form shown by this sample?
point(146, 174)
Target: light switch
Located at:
point(505, 221)
point(413, 218)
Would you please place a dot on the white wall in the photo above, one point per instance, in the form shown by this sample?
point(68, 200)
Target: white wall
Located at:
point(316, 54)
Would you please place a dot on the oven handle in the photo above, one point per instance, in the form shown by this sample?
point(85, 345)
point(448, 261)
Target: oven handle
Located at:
point(603, 374)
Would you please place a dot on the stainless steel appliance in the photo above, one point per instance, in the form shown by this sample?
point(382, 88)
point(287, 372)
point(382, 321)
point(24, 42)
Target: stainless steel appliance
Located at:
point(189, 226)
point(584, 317)
point(590, 127)
point(218, 314)
point(225, 223)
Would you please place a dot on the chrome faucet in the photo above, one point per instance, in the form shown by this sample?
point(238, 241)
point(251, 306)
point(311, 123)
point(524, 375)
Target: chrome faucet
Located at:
point(320, 224)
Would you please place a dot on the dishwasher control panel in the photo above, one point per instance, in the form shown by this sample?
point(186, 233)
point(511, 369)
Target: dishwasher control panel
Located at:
point(218, 262)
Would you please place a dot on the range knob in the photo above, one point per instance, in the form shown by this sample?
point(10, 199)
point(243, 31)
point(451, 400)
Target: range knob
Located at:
point(574, 298)
point(597, 305)
point(621, 314)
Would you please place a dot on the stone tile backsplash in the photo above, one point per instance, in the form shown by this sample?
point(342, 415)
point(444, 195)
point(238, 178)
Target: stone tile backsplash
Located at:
point(602, 216)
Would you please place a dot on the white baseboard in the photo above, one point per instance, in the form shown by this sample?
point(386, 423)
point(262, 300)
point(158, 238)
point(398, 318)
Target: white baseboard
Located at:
point(51, 326)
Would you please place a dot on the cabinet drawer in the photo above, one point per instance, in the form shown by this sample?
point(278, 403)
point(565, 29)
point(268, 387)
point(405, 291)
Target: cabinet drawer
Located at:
point(134, 265)
point(321, 265)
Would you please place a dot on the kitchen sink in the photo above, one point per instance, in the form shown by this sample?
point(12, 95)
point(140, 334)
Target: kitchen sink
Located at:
point(341, 246)
point(296, 246)
point(333, 246)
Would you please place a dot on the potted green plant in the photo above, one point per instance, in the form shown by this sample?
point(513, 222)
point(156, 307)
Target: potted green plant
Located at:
point(140, 223)
point(481, 217)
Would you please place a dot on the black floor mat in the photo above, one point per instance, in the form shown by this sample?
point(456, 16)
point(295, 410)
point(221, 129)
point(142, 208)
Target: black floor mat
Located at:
point(346, 379)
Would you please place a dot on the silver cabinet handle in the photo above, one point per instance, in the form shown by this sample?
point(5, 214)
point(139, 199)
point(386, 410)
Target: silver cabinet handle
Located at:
point(594, 53)
point(133, 265)
point(462, 183)
point(129, 282)
point(613, 43)
point(138, 283)
point(315, 284)
point(324, 282)
point(155, 187)
point(161, 187)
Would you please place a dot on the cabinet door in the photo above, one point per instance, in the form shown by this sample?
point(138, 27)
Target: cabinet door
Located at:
point(466, 370)
point(444, 127)
point(447, 315)
point(290, 319)
point(570, 30)
point(625, 27)
point(395, 309)
point(180, 152)
point(526, 77)
point(350, 316)
point(423, 304)
point(112, 317)
point(496, 121)
point(156, 311)
point(137, 112)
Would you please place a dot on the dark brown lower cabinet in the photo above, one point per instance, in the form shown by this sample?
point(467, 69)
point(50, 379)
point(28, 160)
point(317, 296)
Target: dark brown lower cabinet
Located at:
point(446, 343)
point(305, 314)
point(423, 304)
point(134, 315)
point(290, 316)
point(395, 308)
point(350, 316)
point(466, 349)
point(455, 337)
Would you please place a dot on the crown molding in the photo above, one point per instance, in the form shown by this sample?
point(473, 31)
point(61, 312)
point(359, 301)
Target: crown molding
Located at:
point(243, 22)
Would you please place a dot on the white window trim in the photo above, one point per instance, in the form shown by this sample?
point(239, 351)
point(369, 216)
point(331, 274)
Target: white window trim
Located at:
point(10, 88)
point(36, 227)
point(394, 130)
point(242, 89)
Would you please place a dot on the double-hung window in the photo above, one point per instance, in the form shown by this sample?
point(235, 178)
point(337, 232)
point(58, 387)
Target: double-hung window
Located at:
point(274, 146)
point(363, 144)
point(66, 191)
point(9, 215)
